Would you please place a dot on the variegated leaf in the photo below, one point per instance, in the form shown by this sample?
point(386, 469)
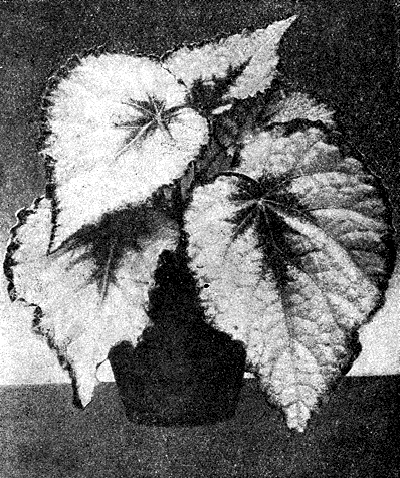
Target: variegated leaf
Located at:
point(251, 58)
point(92, 293)
point(301, 106)
point(118, 130)
point(292, 254)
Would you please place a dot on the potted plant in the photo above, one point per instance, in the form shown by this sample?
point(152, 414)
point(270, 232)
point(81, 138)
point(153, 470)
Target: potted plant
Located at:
point(279, 238)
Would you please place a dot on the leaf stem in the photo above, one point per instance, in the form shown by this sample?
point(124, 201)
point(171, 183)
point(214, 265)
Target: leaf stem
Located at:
point(105, 282)
point(236, 174)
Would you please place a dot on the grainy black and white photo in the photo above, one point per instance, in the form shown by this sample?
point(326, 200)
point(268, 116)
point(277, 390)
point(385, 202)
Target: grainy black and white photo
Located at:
point(199, 215)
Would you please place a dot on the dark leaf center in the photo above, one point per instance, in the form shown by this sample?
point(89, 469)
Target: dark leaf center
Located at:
point(266, 203)
point(150, 115)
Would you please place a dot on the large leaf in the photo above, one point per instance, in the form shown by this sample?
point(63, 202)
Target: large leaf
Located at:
point(292, 254)
point(92, 293)
point(118, 130)
point(251, 58)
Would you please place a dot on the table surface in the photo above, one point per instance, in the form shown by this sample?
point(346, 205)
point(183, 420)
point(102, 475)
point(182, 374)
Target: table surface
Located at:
point(355, 434)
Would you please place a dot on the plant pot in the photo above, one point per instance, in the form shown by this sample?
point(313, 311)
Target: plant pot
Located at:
point(179, 377)
point(182, 372)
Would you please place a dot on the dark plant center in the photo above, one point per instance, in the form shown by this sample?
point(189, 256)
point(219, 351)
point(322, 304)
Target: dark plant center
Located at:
point(267, 192)
point(266, 203)
point(153, 115)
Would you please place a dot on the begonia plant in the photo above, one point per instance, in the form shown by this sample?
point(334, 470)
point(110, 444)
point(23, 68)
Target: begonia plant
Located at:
point(288, 234)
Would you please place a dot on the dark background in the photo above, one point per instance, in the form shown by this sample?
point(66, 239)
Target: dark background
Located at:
point(342, 53)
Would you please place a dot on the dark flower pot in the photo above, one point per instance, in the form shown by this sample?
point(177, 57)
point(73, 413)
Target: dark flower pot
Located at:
point(183, 372)
point(182, 381)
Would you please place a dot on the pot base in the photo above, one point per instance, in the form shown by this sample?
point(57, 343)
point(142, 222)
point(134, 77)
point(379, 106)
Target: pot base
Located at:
point(180, 384)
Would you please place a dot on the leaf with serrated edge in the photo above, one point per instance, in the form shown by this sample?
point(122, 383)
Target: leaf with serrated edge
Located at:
point(213, 60)
point(82, 321)
point(106, 148)
point(292, 249)
point(301, 106)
